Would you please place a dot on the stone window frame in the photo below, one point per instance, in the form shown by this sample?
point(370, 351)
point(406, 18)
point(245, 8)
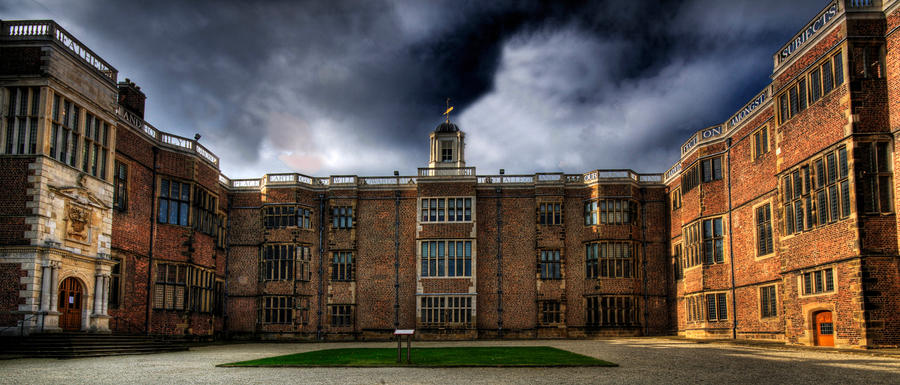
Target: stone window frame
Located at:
point(116, 288)
point(770, 247)
point(276, 310)
point(810, 87)
point(611, 211)
point(205, 210)
point(823, 180)
point(550, 266)
point(801, 275)
point(296, 262)
point(278, 216)
point(625, 311)
point(719, 303)
point(550, 213)
point(714, 241)
point(695, 311)
point(600, 254)
point(343, 217)
point(761, 142)
point(178, 283)
point(678, 261)
point(550, 312)
point(342, 266)
point(676, 198)
point(883, 172)
point(120, 185)
point(341, 315)
point(768, 302)
point(185, 204)
point(439, 209)
point(21, 132)
point(446, 311)
point(441, 258)
point(201, 285)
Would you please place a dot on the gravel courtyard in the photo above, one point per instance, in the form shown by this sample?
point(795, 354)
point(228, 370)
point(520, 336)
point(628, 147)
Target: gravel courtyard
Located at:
point(641, 360)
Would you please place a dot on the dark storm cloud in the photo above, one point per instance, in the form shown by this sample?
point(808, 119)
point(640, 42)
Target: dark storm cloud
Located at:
point(330, 87)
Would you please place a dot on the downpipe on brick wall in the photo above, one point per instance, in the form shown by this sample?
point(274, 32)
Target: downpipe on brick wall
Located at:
point(731, 245)
point(321, 272)
point(148, 315)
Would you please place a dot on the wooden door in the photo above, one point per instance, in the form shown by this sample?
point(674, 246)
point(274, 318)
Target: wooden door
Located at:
point(70, 304)
point(824, 329)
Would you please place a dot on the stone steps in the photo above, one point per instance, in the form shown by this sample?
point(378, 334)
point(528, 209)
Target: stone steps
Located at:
point(73, 345)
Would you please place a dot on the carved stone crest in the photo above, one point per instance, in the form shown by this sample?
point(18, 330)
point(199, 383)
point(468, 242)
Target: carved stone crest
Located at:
point(78, 223)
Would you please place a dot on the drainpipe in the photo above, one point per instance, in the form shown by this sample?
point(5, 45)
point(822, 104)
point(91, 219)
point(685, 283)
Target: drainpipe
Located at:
point(731, 245)
point(397, 256)
point(644, 264)
point(499, 265)
point(153, 213)
point(321, 264)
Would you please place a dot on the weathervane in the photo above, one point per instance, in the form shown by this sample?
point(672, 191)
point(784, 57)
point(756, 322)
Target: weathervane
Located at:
point(449, 108)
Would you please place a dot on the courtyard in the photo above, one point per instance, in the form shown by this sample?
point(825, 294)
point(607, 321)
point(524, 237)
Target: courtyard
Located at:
point(641, 360)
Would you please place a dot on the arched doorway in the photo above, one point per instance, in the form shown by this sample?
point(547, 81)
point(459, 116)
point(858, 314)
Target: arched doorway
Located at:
point(824, 328)
point(70, 304)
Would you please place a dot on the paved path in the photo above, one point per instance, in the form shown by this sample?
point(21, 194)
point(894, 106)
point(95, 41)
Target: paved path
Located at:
point(641, 360)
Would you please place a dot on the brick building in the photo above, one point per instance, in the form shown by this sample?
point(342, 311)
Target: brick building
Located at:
point(777, 224)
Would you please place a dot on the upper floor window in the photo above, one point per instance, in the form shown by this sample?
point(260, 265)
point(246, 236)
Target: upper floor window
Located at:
point(276, 310)
point(610, 259)
point(676, 199)
point(550, 213)
point(677, 262)
point(446, 209)
point(764, 230)
point(810, 87)
point(867, 61)
point(94, 146)
point(446, 258)
point(713, 240)
point(174, 200)
point(711, 169)
point(549, 265)
point(691, 235)
point(446, 151)
point(875, 182)
point(819, 281)
point(205, 207)
point(609, 212)
point(278, 262)
point(120, 186)
point(342, 217)
point(22, 120)
point(343, 267)
point(760, 142)
point(281, 216)
point(817, 192)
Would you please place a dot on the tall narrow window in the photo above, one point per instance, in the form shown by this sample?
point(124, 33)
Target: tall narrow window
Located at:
point(115, 284)
point(875, 184)
point(22, 119)
point(677, 263)
point(342, 266)
point(120, 186)
point(174, 200)
point(767, 301)
point(446, 151)
point(549, 266)
point(713, 240)
point(761, 143)
point(550, 213)
point(764, 230)
point(716, 307)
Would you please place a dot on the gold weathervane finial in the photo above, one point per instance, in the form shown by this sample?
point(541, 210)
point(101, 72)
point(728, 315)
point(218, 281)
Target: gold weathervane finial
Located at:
point(449, 108)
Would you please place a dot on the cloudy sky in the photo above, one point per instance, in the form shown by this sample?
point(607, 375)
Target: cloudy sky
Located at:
point(354, 87)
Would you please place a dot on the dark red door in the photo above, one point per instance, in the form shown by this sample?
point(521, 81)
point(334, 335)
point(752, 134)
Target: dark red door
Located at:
point(824, 329)
point(70, 304)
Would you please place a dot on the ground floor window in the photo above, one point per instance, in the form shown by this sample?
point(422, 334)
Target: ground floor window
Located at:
point(171, 283)
point(445, 311)
point(115, 284)
point(550, 312)
point(767, 301)
point(606, 311)
point(277, 310)
point(693, 308)
point(341, 315)
point(819, 281)
point(716, 307)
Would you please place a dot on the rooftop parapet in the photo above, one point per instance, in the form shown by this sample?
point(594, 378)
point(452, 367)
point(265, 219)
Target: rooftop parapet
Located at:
point(165, 139)
point(339, 181)
point(49, 31)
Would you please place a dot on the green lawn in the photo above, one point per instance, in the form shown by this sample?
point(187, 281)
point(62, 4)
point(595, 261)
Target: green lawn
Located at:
point(432, 357)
